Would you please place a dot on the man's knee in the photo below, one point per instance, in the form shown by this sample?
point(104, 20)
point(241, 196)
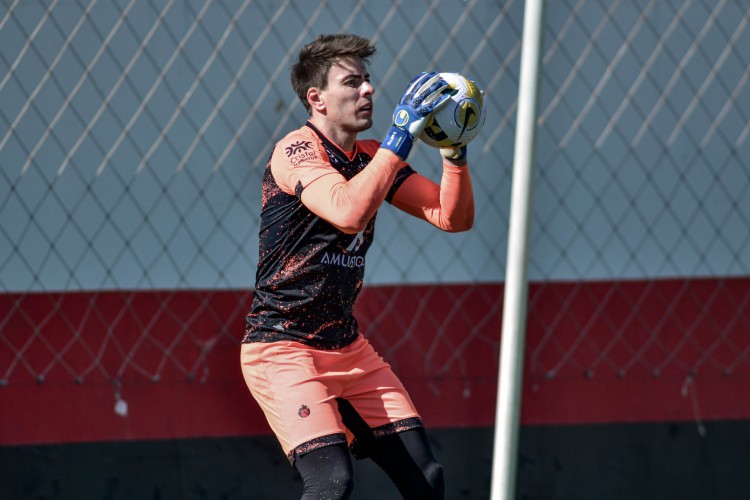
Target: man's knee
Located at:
point(435, 479)
point(336, 484)
point(326, 473)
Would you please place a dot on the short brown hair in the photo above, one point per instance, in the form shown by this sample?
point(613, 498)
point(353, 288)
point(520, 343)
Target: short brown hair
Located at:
point(316, 58)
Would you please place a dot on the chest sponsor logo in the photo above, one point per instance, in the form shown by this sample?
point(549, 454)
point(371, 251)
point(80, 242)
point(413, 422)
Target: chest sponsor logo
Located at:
point(347, 259)
point(343, 260)
point(357, 241)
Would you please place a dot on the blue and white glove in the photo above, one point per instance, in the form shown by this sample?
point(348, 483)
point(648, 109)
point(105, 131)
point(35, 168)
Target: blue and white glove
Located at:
point(425, 95)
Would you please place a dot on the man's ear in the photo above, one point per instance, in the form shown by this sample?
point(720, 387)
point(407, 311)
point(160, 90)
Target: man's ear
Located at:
point(315, 99)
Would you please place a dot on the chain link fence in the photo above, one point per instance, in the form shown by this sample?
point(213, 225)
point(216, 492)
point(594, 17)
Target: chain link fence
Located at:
point(133, 135)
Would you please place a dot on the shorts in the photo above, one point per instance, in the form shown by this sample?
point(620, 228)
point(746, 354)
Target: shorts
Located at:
point(299, 387)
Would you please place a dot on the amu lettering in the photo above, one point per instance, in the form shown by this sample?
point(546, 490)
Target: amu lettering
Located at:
point(338, 259)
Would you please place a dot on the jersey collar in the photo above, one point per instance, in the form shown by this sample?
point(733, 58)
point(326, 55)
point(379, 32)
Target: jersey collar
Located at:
point(332, 146)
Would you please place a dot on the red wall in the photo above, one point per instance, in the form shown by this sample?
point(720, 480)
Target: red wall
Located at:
point(580, 336)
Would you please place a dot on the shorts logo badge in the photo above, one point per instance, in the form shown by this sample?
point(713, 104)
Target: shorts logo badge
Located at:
point(303, 411)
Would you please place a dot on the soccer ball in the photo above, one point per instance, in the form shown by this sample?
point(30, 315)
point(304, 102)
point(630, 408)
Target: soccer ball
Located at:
point(458, 122)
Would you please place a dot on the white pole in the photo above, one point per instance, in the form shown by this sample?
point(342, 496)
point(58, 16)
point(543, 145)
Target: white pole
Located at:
point(510, 374)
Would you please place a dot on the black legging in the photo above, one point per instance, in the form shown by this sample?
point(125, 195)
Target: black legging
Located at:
point(406, 457)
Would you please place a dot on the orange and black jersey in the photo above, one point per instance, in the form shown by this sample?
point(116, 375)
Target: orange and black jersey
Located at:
point(309, 272)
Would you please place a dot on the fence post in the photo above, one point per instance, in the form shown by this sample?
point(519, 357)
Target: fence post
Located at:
point(510, 373)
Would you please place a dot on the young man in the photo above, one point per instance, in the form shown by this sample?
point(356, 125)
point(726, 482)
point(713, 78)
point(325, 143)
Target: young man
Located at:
point(319, 382)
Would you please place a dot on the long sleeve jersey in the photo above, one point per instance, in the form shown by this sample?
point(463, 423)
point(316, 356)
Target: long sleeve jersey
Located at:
point(309, 273)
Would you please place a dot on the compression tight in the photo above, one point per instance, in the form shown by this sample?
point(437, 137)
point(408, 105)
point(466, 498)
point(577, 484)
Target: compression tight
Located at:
point(405, 457)
point(326, 473)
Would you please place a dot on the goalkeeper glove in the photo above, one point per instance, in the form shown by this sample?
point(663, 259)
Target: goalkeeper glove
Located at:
point(457, 153)
point(425, 95)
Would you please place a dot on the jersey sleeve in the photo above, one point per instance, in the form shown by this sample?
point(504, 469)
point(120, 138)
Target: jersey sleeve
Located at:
point(299, 159)
point(371, 146)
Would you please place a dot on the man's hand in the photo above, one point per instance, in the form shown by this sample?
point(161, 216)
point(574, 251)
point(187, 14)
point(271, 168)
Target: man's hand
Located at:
point(425, 95)
point(456, 154)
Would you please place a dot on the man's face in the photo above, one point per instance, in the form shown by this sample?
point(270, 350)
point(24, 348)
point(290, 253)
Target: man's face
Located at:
point(348, 97)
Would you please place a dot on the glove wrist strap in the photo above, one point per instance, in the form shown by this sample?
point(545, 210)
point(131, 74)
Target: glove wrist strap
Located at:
point(399, 141)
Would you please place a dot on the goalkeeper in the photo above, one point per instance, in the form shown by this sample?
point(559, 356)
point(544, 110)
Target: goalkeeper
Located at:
point(325, 392)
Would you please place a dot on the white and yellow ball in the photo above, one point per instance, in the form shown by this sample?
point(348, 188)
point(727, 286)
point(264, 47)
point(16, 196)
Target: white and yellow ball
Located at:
point(458, 122)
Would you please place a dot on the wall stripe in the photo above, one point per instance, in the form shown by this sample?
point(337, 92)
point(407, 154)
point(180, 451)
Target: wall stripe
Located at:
point(596, 352)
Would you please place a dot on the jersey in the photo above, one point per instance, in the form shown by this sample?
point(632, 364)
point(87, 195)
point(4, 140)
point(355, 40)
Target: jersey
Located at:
point(309, 273)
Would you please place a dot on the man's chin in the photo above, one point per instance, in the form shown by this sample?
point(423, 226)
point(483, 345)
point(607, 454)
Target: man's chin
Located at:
point(359, 127)
point(364, 126)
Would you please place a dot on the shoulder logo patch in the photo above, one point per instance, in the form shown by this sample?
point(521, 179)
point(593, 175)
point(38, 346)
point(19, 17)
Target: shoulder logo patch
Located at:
point(297, 147)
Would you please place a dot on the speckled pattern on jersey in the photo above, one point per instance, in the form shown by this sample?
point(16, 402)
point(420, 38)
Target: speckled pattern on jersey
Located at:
point(309, 273)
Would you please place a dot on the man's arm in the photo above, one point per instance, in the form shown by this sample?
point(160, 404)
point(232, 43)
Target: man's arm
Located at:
point(448, 206)
point(349, 205)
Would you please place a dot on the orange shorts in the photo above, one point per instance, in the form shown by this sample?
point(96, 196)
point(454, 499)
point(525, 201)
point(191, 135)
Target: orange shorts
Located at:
point(297, 386)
